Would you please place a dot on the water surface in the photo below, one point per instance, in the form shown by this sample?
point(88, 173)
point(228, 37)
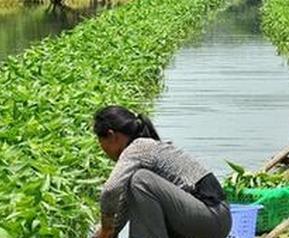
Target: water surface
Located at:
point(24, 25)
point(228, 97)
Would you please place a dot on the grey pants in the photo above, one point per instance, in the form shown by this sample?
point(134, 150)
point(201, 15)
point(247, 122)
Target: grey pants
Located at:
point(159, 209)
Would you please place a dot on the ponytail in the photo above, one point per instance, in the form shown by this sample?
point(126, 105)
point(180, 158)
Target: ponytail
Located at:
point(146, 128)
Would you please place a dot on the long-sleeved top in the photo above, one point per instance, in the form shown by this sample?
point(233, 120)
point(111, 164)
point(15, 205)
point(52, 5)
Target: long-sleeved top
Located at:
point(163, 159)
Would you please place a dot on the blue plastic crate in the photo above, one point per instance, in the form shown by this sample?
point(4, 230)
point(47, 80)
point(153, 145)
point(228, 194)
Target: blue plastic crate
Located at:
point(244, 220)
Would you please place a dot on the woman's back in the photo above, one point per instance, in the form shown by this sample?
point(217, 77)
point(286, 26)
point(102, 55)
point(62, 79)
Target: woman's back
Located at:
point(167, 161)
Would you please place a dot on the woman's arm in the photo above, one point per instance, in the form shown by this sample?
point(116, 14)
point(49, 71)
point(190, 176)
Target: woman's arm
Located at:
point(114, 189)
point(117, 183)
point(135, 156)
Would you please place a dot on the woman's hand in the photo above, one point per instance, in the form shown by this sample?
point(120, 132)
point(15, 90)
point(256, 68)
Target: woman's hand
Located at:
point(105, 233)
point(106, 229)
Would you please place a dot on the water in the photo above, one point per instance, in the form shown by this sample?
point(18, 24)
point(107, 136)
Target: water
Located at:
point(227, 98)
point(22, 26)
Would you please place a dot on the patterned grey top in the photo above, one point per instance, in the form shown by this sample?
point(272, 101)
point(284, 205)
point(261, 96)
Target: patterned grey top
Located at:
point(160, 157)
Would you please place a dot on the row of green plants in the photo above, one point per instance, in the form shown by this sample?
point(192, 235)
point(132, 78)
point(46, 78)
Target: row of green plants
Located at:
point(276, 23)
point(51, 167)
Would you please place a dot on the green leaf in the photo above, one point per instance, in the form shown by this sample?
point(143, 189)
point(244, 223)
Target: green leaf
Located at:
point(4, 233)
point(239, 169)
point(89, 181)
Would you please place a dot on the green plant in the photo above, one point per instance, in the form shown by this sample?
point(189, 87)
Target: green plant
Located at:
point(275, 23)
point(241, 179)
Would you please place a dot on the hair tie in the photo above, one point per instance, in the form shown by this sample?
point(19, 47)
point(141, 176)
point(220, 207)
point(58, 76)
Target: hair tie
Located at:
point(139, 120)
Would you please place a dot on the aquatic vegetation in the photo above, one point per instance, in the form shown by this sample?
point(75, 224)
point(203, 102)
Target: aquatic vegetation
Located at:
point(241, 179)
point(276, 23)
point(50, 167)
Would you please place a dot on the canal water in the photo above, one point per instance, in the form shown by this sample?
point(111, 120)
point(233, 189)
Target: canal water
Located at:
point(227, 98)
point(22, 26)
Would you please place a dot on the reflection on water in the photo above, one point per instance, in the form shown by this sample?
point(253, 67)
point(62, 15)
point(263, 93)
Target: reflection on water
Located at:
point(227, 98)
point(21, 25)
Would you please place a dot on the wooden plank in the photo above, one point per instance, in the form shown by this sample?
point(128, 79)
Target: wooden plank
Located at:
point(281, 155)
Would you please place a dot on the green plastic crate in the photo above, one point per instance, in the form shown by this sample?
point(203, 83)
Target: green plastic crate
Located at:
point(274, 200)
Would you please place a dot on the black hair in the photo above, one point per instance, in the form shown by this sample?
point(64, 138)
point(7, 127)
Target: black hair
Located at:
point(122, 120)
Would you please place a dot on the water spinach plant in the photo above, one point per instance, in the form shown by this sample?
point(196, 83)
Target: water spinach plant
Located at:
point(242, 179)
point(275, 22)
point(50, 166)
